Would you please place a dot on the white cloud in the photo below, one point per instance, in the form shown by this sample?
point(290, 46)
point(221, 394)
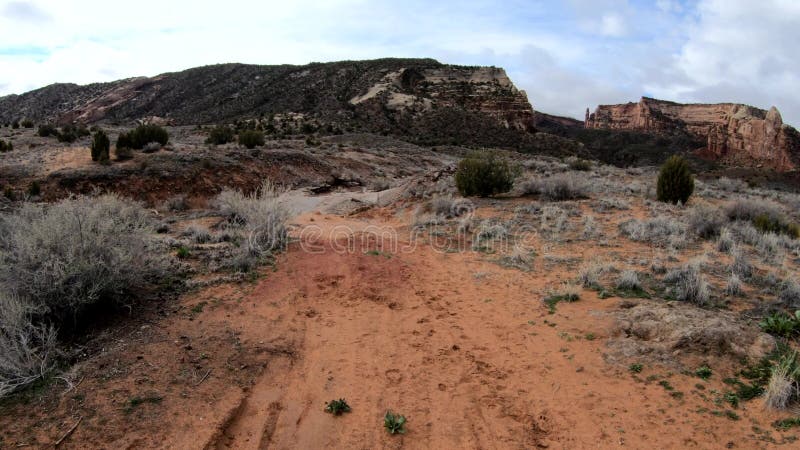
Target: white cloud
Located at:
point(567, 56)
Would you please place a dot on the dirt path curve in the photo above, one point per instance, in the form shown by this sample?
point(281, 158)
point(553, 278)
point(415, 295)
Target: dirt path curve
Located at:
point(461, 346)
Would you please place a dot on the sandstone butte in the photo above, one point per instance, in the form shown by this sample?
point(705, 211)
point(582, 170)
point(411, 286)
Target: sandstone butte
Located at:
point(735, 134)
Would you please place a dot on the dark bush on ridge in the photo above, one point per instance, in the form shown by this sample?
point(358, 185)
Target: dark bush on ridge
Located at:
point(141, 136)
point(219, 135)
point(251, 138)
point(484, 174)
point(675, 181)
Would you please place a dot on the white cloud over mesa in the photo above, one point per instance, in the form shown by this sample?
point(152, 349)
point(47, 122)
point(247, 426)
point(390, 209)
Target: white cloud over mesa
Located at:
point(566, 55)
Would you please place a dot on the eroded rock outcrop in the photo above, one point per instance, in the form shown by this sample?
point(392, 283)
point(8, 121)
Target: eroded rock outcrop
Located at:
point(735, 134)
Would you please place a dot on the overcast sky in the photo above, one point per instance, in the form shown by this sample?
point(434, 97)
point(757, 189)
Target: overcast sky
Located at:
point(566, 54)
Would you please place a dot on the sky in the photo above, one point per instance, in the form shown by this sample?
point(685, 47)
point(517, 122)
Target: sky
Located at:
point(567, 55)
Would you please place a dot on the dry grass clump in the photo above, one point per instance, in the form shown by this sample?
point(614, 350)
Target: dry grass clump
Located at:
point(58, 261)
point(565, 186)
point(197, 234)
point(725, 241)
point(688, 284)
point(706, 221)
point(734, 285)
point(790, 294)
point(730, 184)
point(608, 204)
point(784, 383)
point(448, 207)
point(629, 280)
point(489, 235)
point(741, 266)
point(661, 231)
point(260, 216)
point(590, 273)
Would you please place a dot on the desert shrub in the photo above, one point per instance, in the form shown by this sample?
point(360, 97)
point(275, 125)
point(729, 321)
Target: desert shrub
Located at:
point(734, 285)
point(706, 221)
point(142, 135)
point(725, 241)
point(484, 174)
point(47, 130)
point(123, 153)
point(6, 146)
point(71, 133)
point(579, 164)
point(34, 189)
point(741, 266)
point(77, 253)
point(27, 349)
point(769, 247)
point(489, 235)
point(261, 216)
point(790, 294)
point(176, 203)
point(100, 146)
point(731, 184)
point(784, 380)
point(251, 138)
point(394, 423)
point(446, 206)
point(197, 234)
point(557, 187)
point(660, 231)
point(589, 273)
point(688, 284)
point(337, 407)
point(675, 181)
point(767, 224)
point(151, 147)
point(27, 123)
point(220, 134)
point(15, 125)
point(629, 280)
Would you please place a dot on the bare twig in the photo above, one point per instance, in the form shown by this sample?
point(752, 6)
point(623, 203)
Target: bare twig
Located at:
point(69, 432)
point(204, 378)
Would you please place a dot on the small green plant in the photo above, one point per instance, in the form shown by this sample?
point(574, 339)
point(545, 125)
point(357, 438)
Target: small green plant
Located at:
point(337, 407)
point(100, 146)
point(394, 423)
point(590, 336)
point(251, 138)
point(27, 123)
point(785, 424)
point(675, 181)
point(484, 174)
point(8, 192)
point(182, 252)
point(665, 384)
point(635, 368)
point(143, 135)
point(704, 372)
point(580, 164)
point(47, 130)
point(6, 146)
point(136, 401)
point(781, 324)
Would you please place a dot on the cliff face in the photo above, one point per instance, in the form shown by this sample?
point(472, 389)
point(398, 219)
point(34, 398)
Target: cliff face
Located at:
point(343, 91)
point(734, 134)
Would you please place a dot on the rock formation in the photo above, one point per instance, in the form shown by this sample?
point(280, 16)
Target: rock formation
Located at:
point(734, 134)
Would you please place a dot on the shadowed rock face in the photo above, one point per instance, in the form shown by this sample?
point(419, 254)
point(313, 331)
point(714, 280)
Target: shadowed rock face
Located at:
point(735, 134)
point(373, 93)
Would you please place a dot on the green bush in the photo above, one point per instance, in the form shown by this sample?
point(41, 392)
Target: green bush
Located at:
point(100, 146)
point(47, 130)
point(219, 135)
point(27, 123)
point(484, 174)
point(123, 153)
point(34, 189)
point(6, 146)
point(143, 135)
point(15, 124)
point(771, 224)
point(71, 133)
point(675, 181)
point(251, 138)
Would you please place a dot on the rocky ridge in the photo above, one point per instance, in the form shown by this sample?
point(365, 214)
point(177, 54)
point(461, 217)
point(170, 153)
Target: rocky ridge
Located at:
point(733, 134)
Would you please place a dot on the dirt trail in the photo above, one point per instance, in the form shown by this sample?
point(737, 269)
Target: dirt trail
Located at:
point(460, 346)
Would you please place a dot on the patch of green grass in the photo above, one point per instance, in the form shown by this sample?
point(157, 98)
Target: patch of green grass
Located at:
point(198, 308)
point(704, 372)
point(553, 300)
point(676, 394)
point(337, 407)
point(631, 293)
point(394, 423)
point(665, 384)
point(182, 252)
point(731, 398)
point(378, 253)
point(136, 401)
point(636, 368)
point(785, 424)
point(590, 336)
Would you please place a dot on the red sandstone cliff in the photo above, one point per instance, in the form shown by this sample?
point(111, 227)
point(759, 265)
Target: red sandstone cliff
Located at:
point(735, 134)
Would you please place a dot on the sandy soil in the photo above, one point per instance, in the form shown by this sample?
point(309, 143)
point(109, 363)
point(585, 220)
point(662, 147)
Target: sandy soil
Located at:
point(460, 345)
